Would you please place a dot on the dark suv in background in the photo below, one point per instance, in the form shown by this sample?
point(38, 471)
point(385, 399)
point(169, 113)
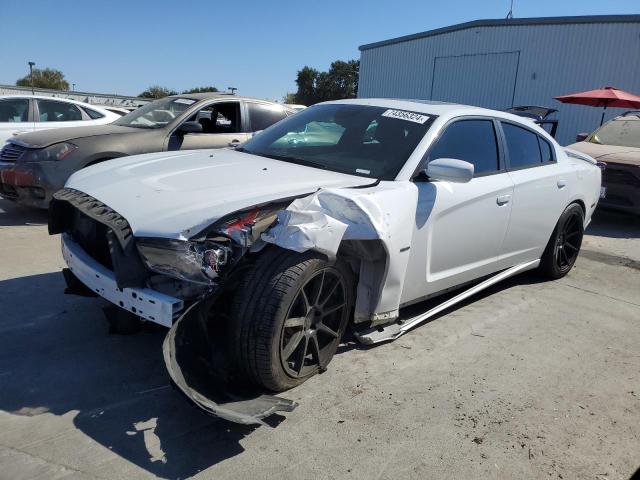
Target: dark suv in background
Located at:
point(33, 166)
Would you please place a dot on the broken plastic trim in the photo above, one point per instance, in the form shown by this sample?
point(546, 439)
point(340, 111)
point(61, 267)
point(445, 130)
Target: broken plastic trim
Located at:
point(196, 376)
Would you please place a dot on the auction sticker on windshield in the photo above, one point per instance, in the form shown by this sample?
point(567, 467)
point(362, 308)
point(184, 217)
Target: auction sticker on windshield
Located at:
point(404, 115)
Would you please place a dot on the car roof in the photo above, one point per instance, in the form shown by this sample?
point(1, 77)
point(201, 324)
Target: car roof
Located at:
point(98, 108)
point(433, 107)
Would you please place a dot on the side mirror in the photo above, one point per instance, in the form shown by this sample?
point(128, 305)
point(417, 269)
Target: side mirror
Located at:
point(190, 127)
point(581, 137)
point(450, 170)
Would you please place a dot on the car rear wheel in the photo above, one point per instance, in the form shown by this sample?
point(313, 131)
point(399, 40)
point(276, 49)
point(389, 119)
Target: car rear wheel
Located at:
point(564, 245)
point(288, 317)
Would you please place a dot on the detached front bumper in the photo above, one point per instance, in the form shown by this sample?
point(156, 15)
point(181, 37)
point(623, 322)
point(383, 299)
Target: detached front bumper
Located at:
point(31, 183)
point(144, 302)
point(186, 348)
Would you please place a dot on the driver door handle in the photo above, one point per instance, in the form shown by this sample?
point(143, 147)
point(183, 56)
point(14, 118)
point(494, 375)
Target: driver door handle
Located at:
point(234, 143)
point(503, 200)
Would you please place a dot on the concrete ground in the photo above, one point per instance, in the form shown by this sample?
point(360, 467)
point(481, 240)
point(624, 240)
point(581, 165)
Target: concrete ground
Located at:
point(531, 380)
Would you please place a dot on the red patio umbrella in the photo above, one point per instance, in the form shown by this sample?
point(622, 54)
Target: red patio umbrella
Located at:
point(603, 97)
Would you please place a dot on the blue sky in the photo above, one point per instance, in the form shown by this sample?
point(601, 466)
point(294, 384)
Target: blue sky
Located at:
point(117, 46)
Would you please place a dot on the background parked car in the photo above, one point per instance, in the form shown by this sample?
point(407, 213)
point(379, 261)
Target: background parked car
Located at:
point(33, 166)
point(616, 145)
point(120, 111)
point(20, 114)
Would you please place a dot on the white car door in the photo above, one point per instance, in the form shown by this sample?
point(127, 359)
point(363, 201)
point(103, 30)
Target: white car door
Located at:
point(540, 193)
point(14, 118)
point(58, 114)
point(460, 227)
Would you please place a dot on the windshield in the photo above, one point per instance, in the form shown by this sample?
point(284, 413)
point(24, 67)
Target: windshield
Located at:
point(156, 114)
point(355, 139)
point(622, 132)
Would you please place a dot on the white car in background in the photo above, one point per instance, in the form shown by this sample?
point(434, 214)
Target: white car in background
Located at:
point(30, 113)
point(271, 251)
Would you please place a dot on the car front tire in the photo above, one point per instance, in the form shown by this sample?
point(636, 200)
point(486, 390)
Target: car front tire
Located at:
point(288, 317)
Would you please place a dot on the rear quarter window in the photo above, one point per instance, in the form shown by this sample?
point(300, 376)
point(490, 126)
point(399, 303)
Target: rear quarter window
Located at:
point(522, 146)
point(94, 115)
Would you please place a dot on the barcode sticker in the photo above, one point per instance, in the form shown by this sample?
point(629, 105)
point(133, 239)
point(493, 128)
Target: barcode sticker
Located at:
point(404, 115)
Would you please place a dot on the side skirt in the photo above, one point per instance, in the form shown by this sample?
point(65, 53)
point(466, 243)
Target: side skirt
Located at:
point(395, 330)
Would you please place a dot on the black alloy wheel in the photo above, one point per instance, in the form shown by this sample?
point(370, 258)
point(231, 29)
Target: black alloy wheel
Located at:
point(312, 326)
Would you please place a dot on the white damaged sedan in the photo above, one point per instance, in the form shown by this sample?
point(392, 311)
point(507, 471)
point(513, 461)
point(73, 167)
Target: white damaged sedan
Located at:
point(337, 217)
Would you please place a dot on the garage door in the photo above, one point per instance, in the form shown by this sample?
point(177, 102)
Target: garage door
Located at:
point(485, 80)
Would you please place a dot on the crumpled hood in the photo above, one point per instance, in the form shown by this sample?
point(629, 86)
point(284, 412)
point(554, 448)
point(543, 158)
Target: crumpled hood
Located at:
point(44, 138)
point(609, 153)
point(176, 195)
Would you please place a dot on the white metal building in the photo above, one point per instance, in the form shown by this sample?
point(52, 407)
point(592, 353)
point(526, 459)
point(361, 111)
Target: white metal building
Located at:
point(503, 63)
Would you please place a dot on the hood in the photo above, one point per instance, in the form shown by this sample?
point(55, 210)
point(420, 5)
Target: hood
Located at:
point(176, 195)
point(44, 138)
point(609, 153)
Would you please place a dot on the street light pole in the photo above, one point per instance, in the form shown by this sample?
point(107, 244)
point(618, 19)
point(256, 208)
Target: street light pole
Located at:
point(233, 90)
point(73, 87)
point(31, 65)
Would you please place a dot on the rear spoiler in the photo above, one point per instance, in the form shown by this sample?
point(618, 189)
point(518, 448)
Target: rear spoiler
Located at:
point(553, 126)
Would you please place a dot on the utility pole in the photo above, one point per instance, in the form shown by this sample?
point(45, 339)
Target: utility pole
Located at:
point(510, 14)
point(31, 65)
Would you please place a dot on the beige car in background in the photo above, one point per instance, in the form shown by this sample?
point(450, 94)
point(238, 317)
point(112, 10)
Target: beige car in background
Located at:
point(616, 145)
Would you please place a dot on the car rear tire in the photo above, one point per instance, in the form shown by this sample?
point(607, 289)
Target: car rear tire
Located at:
point(288, 317)
point(564, 245)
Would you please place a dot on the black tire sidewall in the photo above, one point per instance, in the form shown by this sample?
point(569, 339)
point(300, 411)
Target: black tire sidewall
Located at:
point(548, 263)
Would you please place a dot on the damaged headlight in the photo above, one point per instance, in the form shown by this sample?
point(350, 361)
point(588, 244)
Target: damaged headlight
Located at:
point(202, 258)
point(199, 262)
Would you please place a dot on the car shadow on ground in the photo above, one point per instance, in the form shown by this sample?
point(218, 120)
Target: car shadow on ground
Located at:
point(56, 357)
point(12, 214)
point(610, 224)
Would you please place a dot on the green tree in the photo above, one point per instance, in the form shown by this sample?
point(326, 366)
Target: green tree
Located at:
point(45, 78)
point(202, 90)
point(306, 81)
point(156, 91)
point(290, 98)
point(341, 81)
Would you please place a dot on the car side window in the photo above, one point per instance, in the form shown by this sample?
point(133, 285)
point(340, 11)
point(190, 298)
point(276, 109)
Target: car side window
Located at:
point(94, 115)
point(263, 116)
point(14, 110)
point(52, 111)
point(523, 146)
point(473, 141)
point(545, 150)
point(219, 118)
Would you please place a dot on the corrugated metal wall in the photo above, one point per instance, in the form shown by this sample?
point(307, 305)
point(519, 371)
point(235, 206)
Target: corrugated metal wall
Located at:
point(551, 60)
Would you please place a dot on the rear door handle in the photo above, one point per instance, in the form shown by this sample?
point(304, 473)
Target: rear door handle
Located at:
point(503, 199)
point(562, 184)
point(234, 143)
